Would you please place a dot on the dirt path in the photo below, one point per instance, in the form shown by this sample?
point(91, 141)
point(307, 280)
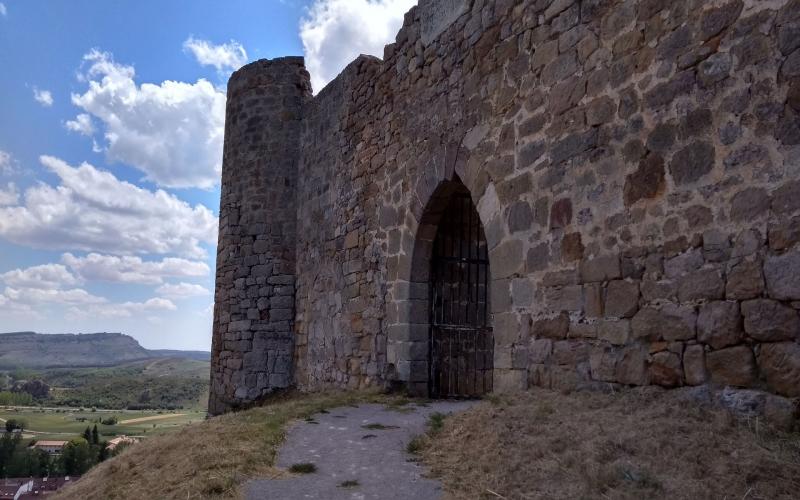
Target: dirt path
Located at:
point(148, 419)
point(363, 445)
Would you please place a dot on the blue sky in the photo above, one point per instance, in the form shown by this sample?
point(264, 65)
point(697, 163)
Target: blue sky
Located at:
point(110, 149)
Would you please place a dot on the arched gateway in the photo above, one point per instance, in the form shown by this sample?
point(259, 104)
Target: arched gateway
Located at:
point(451, 263)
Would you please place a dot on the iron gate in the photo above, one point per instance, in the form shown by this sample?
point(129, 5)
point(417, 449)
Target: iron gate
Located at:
point(461, 342)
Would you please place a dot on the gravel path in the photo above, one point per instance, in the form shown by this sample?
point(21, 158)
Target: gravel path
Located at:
point(345, 447)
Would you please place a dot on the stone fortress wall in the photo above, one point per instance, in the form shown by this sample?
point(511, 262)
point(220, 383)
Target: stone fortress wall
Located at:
point(636, 168)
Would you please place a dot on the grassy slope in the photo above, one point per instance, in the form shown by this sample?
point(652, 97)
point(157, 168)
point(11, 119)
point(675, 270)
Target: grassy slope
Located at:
point(634, 444)
point(210, 459)
point(169, 381)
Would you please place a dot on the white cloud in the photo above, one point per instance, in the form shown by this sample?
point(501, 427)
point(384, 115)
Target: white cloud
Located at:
point(96, 267)
point(3, 11)
point(228, 56)
point(9, 195)
point(172, 132)
point(82, 124)
point(182, 291)
point(92, 210)
point(34, 296)
point(43, 97)
point(123, 310)
point(334, 32)
point(6, 163)
point(46, 276)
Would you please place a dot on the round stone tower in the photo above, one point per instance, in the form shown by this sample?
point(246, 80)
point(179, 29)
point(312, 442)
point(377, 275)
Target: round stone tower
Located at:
point(255, 280)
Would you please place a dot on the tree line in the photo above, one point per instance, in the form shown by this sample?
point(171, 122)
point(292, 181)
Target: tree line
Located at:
point(78, 456)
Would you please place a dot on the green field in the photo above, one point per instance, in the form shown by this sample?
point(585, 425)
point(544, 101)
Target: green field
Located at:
point(64, 423)
point(163, 383)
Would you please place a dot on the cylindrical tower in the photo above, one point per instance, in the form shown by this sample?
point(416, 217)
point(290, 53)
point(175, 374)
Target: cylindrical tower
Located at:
point(254, 299)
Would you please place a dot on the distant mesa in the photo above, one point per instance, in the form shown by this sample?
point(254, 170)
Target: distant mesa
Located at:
point(35, 350)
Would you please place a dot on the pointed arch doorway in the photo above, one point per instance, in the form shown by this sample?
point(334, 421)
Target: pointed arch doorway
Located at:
point(461, 342)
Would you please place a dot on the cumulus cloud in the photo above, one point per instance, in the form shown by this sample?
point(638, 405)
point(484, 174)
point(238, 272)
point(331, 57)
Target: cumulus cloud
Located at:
point(128, 269)
point(43, 97)
point(46, 276)
point(172, 131)
point(123, 310)
point(45, 295)
point(92, 210)
point(6, 163)
point(334, 32)
point(228, 56)
point(182, 291)
point(9, 195)
point(82, 124)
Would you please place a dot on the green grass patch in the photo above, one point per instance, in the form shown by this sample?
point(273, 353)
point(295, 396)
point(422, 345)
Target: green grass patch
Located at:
point(436, 422)
point(415, 445)
point(303, 468)
point(351, 483)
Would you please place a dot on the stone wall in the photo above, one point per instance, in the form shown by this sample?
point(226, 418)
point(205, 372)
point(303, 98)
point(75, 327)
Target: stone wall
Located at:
point(254, 301)
point(636, 167)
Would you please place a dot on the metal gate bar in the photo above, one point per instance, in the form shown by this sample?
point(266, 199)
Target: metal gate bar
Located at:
point(461, 341)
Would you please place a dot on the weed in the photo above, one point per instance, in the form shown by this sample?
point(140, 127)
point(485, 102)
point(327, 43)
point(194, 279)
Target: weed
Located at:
point(415, 445)
point(350, 483)
point(303, 468)
point(435, 422)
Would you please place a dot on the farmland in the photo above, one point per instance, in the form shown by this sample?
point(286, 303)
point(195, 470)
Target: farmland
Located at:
point(66, 423)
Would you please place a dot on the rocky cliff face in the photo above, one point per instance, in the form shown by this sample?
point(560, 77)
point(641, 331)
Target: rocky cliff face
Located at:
point(33, 350)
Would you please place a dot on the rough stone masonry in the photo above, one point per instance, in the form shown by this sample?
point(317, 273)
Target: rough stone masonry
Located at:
point(635, 165)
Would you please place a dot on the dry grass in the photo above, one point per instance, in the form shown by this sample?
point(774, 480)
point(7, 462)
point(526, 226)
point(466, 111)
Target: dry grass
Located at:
point(631, 445)
point(210, 459)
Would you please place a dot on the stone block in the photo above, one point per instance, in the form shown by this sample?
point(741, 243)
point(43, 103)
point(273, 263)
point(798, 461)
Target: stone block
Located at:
point(552, 328)
point(692, 162)
point(784, 233)
point(733, 366)
point(615, 332)
point(780, 365)
point(631, 368)
point(719, 324)
point(602, 268)
point(684, 263)
point(782, 275)
point(603, 363)
point(704, 284)
point(749, 204)
point(566, 298)
point(510, 381)
point(582, 330)
point(670, 322)
point(770, 321)
point(658, 290)
point(694, 365)
point(593, 294)
point(646, 182)
point(540, 351)
point(665, 369)
point(622, 298)
point(561, 213)
point(570, 352)
point(745, 281)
